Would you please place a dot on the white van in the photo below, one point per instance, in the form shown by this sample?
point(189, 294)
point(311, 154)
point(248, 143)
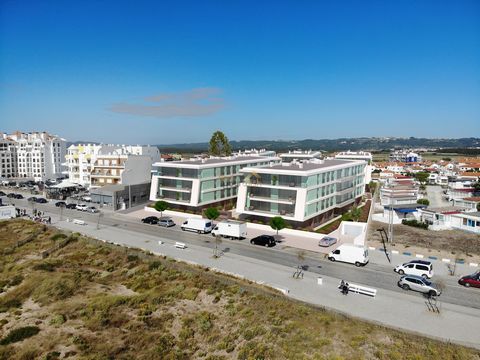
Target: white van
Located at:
point(350, 253)
point(199, 225)
point(231, 229)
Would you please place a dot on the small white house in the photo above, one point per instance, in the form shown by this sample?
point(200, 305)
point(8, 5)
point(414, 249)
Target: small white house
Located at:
point(467, 221)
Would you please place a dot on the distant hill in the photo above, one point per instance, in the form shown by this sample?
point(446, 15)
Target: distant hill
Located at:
point(371, 144)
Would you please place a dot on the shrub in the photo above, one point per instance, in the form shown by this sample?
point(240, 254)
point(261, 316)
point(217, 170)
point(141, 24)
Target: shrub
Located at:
point(415, 223)
point(19, 334)
point(58, 236)
point(16, 280)
point(423, 202)
point(131, 258)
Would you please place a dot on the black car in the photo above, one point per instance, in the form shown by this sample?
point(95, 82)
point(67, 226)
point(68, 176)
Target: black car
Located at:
point(41, 201)
point(2, 193)
point(18, 196)
point(264, 240)
point(11, 195)
point(150, 220)
point(71, 206)
point(33, 198)
point(60, 203)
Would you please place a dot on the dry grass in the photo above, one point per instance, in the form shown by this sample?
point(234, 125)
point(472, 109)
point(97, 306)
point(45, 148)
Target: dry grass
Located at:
point(92, 301)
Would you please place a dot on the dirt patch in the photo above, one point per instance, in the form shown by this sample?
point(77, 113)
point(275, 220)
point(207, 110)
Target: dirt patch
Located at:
point(450, 243)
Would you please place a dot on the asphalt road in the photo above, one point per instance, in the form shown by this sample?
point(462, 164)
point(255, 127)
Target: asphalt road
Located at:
point(374, 275)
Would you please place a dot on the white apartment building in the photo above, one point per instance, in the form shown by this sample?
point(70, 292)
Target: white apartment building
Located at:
point(200, 183)
point(358, 155)
point(406, 156)
point(299, 155)
point(307, 193)
point(255, 152)
point(8, 157)
point(81, 161)
point(39, 155)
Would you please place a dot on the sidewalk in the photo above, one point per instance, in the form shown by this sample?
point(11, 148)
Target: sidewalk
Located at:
point(403, 311)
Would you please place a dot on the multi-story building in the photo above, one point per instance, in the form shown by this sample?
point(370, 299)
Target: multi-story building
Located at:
point(39, 155)
point(399, 191)
point(79, 162)
point(360, 155)
point(255, 152)
point(88, 163)
point(199, 183)
point(305, 193)
point(299, 155)
point(405, 156)
point(8, 157)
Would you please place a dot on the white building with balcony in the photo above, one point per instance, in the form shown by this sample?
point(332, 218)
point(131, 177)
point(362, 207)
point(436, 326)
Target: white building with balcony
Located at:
point(299, 156)
point(8, 157)
point(306, 193)
point(97, 165)
point(39, 155)
point(200, 183)
point(359, 155)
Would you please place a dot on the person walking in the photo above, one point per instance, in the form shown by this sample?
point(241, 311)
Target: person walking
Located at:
point(49, 220)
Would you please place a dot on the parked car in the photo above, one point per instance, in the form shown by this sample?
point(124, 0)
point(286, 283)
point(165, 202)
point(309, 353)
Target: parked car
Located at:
point(2, 193)
point(60, 203)
point(32, 198)
point(41, 201)
point(327, 241)
point(71, 206)
point(92, 209)
point(472, 280)
point(166, 222)
point(82, 207)
point(420, 284)
point(18, 196)
point(416, 267)
point(230, 229)
point(264, 240)
point(11, 195)
point(150, 220)
point(86, 198)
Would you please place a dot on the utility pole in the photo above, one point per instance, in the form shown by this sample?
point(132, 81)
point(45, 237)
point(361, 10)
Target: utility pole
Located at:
point(100, 214)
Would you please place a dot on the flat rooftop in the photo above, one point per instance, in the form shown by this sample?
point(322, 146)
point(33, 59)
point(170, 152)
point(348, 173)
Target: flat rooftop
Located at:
point(306, 167)
point(216, 161)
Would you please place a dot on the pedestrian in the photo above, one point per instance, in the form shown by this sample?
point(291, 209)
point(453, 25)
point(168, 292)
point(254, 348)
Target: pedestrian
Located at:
point(345, 289)
point(49, 220)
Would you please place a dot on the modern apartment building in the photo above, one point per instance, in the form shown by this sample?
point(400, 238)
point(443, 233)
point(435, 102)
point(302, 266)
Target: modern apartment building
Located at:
point(305, 193)
point(299, 155)
point(97, 165)
point(8, 157)
point(123, 166)
point(358, 155)
point(405, 156)
point(39, 155)
point(202, 182)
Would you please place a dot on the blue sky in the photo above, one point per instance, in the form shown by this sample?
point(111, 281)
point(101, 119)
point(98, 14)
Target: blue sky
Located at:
point(164, 72)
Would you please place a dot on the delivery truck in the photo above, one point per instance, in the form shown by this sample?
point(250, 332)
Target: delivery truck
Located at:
point(201, 226)
point(350, 253)
point(231, 229)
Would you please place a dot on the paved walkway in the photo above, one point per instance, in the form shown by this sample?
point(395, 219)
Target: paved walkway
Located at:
point(404, 311)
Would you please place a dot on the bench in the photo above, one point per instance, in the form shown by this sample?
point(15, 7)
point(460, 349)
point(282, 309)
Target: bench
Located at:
point(180, 245)
point(78, 222)
point(359, 289)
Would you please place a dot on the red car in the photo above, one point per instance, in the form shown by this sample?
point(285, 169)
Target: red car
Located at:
point(472, 280)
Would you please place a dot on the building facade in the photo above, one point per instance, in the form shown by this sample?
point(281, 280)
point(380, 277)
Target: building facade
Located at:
point(98, 165)
point(359, 155)
point(299, 156)
point(199, 183)
point(8, 157)
point(39, 155)
point(306, 193)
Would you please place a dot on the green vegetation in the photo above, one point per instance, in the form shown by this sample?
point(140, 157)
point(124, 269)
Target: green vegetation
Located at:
point(423, 202)
point(219, 145)
point(212, 213)
point(422, 176)
point(415, 223)
point(92, 300)
point(161, 206)
point(277, 223)
point(19, 334)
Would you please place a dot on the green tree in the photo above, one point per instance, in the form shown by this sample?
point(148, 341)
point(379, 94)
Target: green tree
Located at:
point(423, 202)
point(478, 206)
point(372, 185)
point(476, 185)
point(212, 213)
point(422, 176)
point(161, 206)
point(355, 213)
point(219, 145)
point(277, 223)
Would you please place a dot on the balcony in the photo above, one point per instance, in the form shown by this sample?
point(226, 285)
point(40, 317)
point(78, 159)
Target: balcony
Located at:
point(288, 201)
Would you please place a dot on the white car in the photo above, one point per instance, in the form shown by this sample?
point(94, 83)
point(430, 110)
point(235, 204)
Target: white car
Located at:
point(418, 283)
point(82, 207)
point(416, 267)
point(92, 209)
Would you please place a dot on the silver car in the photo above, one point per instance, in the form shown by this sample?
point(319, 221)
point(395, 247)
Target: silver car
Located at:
point(418, 283)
